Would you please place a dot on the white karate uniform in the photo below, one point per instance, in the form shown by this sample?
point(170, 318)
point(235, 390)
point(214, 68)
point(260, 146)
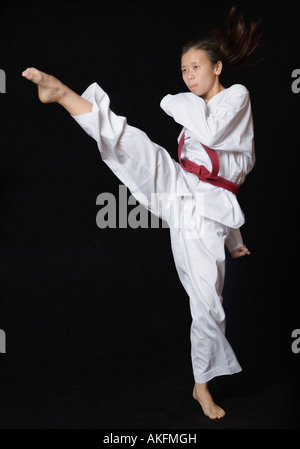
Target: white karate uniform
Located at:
point(225, 125)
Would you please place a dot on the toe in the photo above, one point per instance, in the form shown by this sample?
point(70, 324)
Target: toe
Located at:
point(221, 413)
point(32, 74)
point(26, 73)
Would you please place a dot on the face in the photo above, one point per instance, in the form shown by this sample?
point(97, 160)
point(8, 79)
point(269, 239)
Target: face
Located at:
point(199, 74)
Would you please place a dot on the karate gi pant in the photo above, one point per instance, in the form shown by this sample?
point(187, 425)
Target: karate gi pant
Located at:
point(197, 241)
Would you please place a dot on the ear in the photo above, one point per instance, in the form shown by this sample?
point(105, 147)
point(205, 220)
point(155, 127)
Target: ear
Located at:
point(218, 68)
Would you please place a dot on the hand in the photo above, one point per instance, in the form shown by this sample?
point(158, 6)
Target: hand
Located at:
point(240, 252)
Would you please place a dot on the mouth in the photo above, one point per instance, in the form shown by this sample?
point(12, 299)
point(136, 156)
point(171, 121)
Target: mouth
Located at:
point(193, 86)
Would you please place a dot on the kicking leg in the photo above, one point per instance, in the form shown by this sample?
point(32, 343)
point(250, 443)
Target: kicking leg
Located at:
point(143, 166)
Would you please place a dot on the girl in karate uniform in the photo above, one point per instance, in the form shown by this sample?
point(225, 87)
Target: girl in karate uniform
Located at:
point(216, 152)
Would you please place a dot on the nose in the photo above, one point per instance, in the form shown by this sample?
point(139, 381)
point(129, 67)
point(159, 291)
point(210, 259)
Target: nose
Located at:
point(191, 75)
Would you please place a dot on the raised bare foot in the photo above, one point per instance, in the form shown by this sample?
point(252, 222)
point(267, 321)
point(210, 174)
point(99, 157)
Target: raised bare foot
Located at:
point(50, 89)
point(203, 396)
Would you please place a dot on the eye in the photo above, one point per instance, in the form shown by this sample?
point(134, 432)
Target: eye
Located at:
point(184, 70)
point(196, 67)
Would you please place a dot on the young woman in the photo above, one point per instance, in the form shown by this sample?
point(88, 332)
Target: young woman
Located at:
point(216, 152)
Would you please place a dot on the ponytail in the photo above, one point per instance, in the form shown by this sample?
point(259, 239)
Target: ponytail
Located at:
point(231, 45)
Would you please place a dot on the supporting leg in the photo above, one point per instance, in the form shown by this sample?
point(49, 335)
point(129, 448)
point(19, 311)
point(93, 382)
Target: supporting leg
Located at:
point(200, 263)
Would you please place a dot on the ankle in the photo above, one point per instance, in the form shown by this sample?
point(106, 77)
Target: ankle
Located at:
point(201, 388)
point(62, 95)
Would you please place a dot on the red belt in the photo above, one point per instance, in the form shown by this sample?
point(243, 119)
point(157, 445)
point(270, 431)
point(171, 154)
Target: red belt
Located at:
point(201, 171)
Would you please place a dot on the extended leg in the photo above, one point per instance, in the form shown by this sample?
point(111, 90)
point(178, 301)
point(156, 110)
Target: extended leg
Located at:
point(144, 167)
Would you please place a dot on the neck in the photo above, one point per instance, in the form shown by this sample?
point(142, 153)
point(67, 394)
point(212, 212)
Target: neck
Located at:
point(217, 87)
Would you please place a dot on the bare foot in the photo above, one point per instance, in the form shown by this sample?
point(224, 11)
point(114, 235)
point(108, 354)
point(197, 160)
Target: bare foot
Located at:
point(50, 89)
point(203, 396)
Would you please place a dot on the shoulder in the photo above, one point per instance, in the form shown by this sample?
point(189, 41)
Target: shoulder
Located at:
point(237, 90)
point(237, 95)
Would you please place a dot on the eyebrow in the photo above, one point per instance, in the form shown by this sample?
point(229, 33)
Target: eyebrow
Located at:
point(192, 63)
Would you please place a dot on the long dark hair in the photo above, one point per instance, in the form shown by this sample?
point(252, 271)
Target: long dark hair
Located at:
point(231, 45)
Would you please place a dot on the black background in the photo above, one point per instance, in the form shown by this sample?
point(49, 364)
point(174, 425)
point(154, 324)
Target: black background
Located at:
point(96, 321)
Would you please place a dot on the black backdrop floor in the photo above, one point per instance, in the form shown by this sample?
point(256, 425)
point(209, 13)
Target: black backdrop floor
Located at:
point(80, 373)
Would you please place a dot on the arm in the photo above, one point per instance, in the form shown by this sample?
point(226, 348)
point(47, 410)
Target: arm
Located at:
point(223, 127)
point(235, 245)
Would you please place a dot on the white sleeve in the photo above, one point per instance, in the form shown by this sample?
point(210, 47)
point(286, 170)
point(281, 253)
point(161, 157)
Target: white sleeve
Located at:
point(219, 130)
point(234, 240)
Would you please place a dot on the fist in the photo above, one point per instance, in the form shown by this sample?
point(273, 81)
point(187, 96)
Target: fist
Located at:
point(240, 252)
